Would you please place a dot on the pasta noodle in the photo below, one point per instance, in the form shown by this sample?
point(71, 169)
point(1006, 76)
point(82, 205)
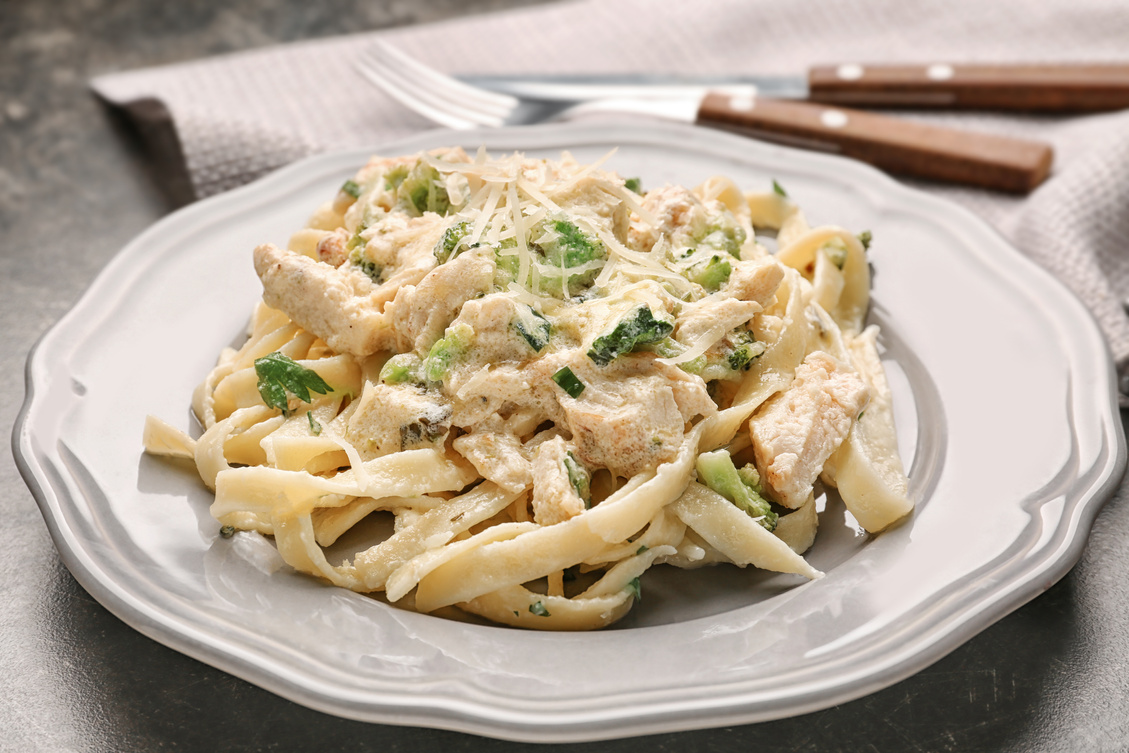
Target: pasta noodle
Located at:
point(549, 381)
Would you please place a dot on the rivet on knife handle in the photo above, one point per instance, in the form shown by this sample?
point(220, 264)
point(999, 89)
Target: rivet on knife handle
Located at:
point(893, 144)
point(1050, 88)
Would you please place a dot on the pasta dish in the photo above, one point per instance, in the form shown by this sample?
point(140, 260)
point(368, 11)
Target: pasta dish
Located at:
point(548, 380)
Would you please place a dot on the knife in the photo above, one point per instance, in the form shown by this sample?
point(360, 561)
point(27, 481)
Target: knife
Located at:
point(1073, 87)
point(897, 145)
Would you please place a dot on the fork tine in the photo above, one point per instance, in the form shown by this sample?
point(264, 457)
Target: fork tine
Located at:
point(433, 94)
point(390, 82)
point(494, 103)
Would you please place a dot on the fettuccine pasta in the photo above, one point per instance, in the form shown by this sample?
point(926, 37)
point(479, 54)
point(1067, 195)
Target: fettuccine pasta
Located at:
point(550, 381)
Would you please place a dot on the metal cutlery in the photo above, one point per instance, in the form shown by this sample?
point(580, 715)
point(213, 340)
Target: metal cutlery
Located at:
point(1070, 87)
point(894, 144)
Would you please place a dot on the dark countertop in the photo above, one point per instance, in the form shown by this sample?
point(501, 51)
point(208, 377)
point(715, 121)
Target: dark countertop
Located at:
point(76, 184)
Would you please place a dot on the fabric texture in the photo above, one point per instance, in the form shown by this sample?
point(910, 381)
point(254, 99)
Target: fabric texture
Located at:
point(240, 116)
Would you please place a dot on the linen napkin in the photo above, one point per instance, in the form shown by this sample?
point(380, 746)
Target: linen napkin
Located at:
point(242, 115)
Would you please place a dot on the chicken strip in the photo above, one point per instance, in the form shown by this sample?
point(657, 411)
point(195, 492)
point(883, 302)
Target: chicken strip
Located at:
point(794, 433)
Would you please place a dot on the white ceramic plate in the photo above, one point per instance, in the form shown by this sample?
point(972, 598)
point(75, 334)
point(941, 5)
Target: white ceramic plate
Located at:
point(1006, 408)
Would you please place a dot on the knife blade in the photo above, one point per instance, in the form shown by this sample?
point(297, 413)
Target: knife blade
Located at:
point(1069, 87)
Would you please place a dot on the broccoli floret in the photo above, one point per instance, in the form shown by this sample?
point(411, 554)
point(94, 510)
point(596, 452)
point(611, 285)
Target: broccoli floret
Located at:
point(422, 189)
point(667, 347)
point(357, 241)
point(358, 259)
point(533, 327)
point(446, 351)
point(506, 264)
point(711, 274)
point(640, 327)
point(563, 246)
point(745, 349)
point(580, 479)
point(402, 368)
point(733, 355)
point(716, 470)
point(453, 242)
point(394, 177)
point(724, 234)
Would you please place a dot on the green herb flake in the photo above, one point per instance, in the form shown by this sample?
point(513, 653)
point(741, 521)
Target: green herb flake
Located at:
point(568, 382)
point(636, 329)
point(315, 427)
point(634, 184)
point(538, 609)
point(227, 531)
point(352, 188)
point(642, 548)
point(865, 237)
point(279, 374)
point(580, 479)
point(634, 588)
point(533, 327)
point(778, 189)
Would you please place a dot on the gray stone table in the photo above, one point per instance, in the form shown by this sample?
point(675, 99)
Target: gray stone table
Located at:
point(76, 185)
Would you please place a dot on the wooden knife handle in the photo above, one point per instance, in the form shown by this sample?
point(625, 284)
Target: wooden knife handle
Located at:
point(893, 144)
point(1058, 88)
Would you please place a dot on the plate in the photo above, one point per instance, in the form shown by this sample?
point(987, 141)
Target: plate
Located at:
point(1005, 401)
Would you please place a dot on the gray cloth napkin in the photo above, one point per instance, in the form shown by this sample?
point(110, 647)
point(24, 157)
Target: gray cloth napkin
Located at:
point(240, 116)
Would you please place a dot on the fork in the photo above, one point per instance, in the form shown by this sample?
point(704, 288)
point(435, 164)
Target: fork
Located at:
point(458, 105)
point(890, 143)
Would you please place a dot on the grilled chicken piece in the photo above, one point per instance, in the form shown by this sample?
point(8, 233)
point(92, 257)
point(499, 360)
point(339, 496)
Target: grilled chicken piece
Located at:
point(796, 431)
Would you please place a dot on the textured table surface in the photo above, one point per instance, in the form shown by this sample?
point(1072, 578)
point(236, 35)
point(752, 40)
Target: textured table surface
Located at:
point(76, 184)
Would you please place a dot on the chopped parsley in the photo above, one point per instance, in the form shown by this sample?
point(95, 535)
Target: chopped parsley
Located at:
point(634, 588)
point(634, 184)
point(538, 609)
point(865, 237)
point(227, 531)
point(778, 189)
point(279, 374)
point(315, 427)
